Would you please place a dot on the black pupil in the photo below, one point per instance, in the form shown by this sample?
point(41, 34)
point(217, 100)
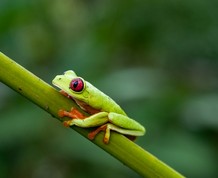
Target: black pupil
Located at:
point(75, 84)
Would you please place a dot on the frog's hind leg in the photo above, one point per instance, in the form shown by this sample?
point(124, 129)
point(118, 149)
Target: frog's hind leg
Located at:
point(121, 124)
point(127, 126)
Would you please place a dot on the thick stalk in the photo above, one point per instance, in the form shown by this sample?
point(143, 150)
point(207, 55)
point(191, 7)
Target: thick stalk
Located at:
point(46, 97)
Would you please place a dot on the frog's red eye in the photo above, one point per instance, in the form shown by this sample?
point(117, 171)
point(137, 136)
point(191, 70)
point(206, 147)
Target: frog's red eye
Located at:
point(77, 84)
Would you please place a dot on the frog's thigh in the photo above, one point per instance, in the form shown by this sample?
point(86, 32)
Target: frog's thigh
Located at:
point(91, 121)
point(121, 130)
point(125, 124)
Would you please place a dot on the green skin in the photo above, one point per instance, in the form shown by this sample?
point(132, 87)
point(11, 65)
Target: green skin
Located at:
point(104, 111)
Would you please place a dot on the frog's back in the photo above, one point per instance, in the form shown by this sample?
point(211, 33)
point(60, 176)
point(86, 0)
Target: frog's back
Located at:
point(101, 101)
point(111, 106)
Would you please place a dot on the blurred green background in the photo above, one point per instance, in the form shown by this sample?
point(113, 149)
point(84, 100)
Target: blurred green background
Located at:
point(157, 59)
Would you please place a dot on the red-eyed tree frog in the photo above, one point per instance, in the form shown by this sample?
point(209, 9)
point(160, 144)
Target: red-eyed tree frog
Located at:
point(105, 114)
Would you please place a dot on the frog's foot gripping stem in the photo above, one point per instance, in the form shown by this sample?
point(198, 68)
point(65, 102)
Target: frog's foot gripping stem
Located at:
point(107, 128)
point(73, 114)
point(92, 134)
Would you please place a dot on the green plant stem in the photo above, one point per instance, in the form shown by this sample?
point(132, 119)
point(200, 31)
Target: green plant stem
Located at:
point(46, 97)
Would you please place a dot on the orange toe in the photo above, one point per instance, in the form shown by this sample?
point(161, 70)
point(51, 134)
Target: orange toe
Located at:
point(61, 113)
point(66, 124)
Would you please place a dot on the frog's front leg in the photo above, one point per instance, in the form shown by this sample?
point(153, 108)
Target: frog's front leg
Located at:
point(80, 120)
point(74, 113)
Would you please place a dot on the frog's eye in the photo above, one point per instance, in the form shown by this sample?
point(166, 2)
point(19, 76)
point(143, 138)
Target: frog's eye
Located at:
point(77, 85)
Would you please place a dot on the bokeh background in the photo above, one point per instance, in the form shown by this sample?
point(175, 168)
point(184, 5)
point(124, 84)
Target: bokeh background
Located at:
point(157, 59)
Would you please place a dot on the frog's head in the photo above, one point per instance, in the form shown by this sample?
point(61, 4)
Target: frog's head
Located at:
point(70, 83)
